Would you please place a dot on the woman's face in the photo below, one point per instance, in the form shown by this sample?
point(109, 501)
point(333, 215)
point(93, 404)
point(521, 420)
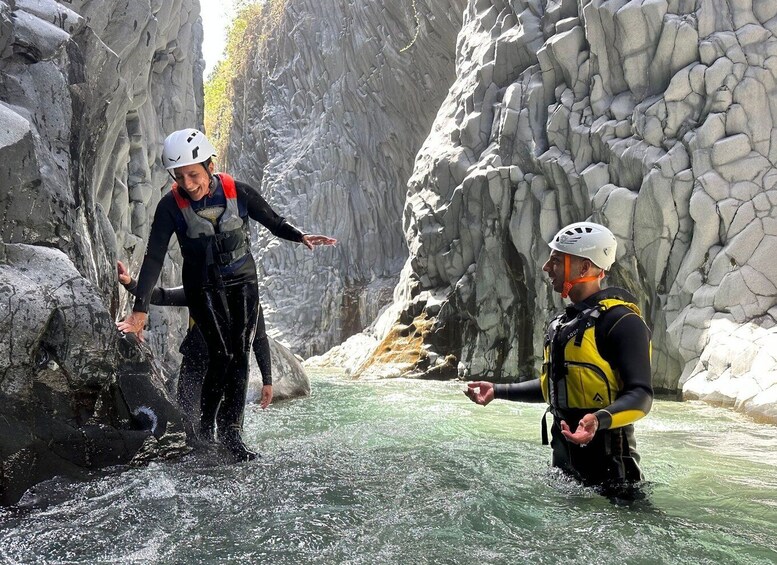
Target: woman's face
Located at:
point(194, 179)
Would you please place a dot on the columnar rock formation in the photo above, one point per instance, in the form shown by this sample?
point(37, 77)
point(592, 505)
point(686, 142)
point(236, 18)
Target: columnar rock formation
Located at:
point(327, 123)
point(87, 91)
point(655, 117)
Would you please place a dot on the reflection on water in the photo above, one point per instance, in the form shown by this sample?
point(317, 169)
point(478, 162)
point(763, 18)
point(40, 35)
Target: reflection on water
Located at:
point(412, 472)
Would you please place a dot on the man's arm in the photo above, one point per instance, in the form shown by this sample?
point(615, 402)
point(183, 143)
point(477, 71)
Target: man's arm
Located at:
point(483, 392)
point(261, 348)
point(624, 342)
point(526, 391)
point(262, 351)
point(160, 296)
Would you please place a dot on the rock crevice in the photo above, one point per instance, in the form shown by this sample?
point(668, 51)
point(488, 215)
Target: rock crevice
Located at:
point(326, 123)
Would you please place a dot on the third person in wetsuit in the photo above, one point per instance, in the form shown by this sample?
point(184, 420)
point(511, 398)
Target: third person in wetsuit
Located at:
point(596, 373)
point(194, 351)
point(209, 214)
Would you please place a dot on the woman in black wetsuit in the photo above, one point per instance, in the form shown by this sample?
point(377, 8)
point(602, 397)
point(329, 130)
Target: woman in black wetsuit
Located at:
point(209, 214)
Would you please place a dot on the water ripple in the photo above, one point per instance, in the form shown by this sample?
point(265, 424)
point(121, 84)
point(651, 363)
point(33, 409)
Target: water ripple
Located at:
point(412, 472)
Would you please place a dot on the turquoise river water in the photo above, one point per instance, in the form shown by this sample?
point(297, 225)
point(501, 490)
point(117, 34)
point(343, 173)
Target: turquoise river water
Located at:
point(412, 472)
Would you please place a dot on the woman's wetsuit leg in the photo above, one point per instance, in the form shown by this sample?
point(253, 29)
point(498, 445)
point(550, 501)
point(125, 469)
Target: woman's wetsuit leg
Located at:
point(243, 303)
point(194, 366)
point(207, 309)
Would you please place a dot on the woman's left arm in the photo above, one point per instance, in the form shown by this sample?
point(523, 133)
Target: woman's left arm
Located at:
point(260, 211)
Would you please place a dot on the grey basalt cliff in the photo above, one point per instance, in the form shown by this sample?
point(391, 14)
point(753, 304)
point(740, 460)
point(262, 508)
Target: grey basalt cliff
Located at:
point(88, 90)
point(654, 117)
point(327, 122)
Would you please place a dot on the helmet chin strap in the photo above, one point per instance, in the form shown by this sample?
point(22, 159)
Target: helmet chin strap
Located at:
point(210, 177)
point(568, 284)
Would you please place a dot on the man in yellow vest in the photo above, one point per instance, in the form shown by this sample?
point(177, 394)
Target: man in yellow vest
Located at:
point(596, 375)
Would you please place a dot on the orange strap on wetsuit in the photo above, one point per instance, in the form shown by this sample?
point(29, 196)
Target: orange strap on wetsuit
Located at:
point(568, 284)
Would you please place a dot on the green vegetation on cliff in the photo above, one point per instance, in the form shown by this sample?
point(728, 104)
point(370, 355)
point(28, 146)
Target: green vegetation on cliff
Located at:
point(246, 36)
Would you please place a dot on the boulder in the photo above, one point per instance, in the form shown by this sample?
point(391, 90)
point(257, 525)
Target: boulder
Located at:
point(88, 96)
point(289, 379)
point(88, 92)
point(75, 393)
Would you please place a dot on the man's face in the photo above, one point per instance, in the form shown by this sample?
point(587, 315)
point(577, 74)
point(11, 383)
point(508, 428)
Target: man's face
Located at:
point(194, 179)
point(554, 266)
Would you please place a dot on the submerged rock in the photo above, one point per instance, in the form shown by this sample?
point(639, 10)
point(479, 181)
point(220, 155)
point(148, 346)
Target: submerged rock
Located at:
point(347, 356)
point(289, 377)
point(75, 393)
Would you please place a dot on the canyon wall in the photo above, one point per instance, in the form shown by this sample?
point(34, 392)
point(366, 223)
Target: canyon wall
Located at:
point(328, 118)
point(654, 117)
point(88, 91)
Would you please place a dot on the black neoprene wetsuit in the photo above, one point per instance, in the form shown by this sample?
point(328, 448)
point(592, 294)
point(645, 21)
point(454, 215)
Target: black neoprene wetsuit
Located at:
point(222, 298)
point(623, 341)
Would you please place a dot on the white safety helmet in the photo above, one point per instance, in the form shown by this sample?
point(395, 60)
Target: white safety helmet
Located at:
point(186, 147)
point(589, 240)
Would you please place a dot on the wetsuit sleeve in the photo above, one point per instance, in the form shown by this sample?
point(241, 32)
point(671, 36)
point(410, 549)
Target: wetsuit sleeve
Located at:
point(161, 231)
point(624, 341)
point(161, 296)
point(262, 350)
point(174, 296)
point(260, 211)
point(131, 286)
point(527, 391)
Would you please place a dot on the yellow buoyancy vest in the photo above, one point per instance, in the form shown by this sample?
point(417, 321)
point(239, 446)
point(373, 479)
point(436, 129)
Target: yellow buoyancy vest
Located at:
point(579, 378)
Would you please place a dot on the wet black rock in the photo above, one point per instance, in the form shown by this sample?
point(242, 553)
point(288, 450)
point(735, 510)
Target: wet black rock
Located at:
point(75, 394)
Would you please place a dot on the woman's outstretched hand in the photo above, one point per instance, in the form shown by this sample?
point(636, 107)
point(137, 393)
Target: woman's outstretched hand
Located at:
point(312, 241)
